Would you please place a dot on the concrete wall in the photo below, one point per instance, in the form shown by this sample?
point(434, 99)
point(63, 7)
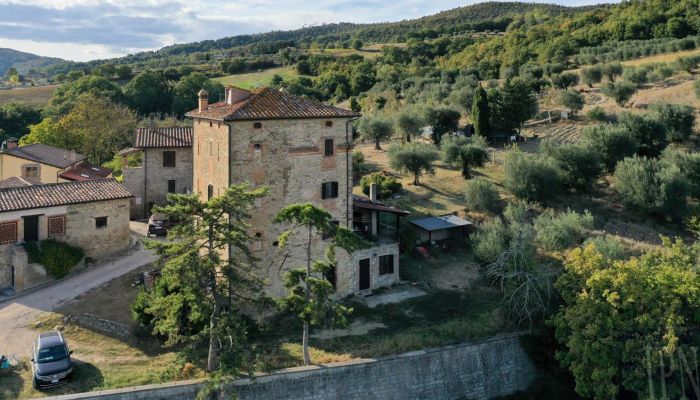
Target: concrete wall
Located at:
point(484, 370)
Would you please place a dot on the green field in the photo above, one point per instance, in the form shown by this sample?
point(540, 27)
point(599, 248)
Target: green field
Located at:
point(256, 79)
point(37, 95)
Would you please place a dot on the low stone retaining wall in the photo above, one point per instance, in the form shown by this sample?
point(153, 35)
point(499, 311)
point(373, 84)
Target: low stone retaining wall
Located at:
point(110, 328)
point(484, 370)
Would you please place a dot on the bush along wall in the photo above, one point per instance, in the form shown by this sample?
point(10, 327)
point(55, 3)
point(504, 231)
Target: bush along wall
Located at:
point(56, 257)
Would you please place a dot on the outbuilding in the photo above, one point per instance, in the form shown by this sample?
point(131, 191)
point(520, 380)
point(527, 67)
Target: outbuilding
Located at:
point(433, 229)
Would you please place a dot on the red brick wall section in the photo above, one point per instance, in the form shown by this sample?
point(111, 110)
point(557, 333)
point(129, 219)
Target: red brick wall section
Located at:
point(8, 232)
point(56, 226)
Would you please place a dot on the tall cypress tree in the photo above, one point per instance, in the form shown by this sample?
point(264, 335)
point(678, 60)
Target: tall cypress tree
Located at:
point(481, 113)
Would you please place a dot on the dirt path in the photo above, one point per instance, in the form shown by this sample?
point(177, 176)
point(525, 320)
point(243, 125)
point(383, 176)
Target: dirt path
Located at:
point(18, 313)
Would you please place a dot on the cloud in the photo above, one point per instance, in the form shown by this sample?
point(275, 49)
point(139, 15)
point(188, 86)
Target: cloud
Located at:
point(88, 29)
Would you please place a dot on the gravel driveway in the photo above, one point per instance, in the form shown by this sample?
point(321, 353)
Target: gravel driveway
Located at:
point(18, 313)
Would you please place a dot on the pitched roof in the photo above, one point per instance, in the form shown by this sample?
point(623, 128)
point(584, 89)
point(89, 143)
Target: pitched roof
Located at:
point(59, 194)
point(85, 172)
point(444, 222)
point(45, 154)
point(163, 137)
point(268, 103)
point(366, 203)
point(17, 181)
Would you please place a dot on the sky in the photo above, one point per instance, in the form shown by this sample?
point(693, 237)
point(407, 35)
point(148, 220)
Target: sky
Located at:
point(82, 30)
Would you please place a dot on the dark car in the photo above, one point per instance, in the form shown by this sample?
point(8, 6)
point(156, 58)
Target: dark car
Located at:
point(51, 363)
point(158, 225)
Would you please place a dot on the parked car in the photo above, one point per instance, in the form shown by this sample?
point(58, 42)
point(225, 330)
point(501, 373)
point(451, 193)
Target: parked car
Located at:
point(51, 363)
point(158, 225)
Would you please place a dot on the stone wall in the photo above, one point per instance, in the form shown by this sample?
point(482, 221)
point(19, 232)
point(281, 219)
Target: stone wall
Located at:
point(485, 370)
point(157, 176)
point(105, 326)
point(82, 232)
point(288, 157)
point(349, 277)
point(133, 180)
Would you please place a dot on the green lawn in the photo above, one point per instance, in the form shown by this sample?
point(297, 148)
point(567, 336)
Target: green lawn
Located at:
point(256, 79)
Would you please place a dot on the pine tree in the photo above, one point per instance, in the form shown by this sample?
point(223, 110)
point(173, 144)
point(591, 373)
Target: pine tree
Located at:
point(481, 113)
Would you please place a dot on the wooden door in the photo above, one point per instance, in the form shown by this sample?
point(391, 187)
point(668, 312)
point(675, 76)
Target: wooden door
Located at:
point(364, 274)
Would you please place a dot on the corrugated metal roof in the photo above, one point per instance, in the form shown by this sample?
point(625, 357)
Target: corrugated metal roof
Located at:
point(163, 137)
point(268, 103)
point(444, 222)
point(45, 154)
point(58, 194)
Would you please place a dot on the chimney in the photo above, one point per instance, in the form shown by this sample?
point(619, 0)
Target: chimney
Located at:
point(11, 143)
point(203, 99)
point(234, 94)
point(373, 192)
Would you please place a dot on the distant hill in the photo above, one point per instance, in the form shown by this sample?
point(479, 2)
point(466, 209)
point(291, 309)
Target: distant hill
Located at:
point(493, 16)
point(24, 61)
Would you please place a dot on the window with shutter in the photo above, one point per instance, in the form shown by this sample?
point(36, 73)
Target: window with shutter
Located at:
point(329, 150)
point(329, 190)
point(56, 225)
point(8, 232)
point(386, 264)
point(168, 159)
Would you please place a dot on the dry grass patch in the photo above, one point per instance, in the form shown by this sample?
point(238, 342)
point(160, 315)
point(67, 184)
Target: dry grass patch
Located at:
point(101, 363)
point(36, 96)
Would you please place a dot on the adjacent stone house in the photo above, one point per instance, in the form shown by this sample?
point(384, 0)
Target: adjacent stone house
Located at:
point(92, 215)
point(166, 167)
point(48, 164)
point(300, 149)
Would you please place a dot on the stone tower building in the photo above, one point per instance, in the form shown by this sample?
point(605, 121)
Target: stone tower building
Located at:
point(300, 150)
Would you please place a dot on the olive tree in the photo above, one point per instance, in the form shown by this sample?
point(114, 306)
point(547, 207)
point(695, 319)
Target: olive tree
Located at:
point(414, 158)
point(465, 153)
point(375, 129)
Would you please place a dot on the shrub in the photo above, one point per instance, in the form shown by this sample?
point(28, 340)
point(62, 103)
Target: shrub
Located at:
point(571, 99)
point(621, 92)
point(490, 240)
point(609, 247)
point(652, 187)
point(358, 158)
point(678, 119)
point(612, 143)
point(386, 185)
point(481, 195)
point(696, 87)
point(580, 165)
point(531, 177)
point(565, 80)
point(689, 164)
point(592, 75)
point(558, 232)
point(638, 76)
point(597, 113)
point(648, 132)
point(57, 257)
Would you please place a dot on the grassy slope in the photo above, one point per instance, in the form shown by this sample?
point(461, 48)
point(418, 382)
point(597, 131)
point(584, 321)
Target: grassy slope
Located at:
point(37, 96)
point(255, 79)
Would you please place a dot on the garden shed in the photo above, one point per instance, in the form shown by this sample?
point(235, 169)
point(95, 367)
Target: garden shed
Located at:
point(433, 229)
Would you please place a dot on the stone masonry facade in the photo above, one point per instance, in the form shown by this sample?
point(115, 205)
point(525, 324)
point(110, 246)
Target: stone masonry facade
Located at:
point(150, 182)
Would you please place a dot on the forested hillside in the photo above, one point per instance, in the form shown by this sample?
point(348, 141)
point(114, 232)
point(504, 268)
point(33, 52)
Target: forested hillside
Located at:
point(23, 62)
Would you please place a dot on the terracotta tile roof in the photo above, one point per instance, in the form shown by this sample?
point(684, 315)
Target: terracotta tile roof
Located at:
point(59, 194)
point(268, 103)
point(45, 154)
point(85, 172)
point(17, 181)
point(163, 137)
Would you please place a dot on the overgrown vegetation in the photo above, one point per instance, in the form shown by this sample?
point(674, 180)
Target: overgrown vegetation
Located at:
point(56, 257)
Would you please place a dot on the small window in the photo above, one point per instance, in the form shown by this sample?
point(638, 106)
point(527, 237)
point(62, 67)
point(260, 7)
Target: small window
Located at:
point(257, 125)
point(171, 186)
point(210, 124)
point(386, 264)
point(30, 172)
point(328, 145)
point(257, 146)
point(258, 235)
point(168, 159)
point(210, 192)
point(56, 226)
point(329, 190)
point(329, 234)
point(275, 244)
point(329, 124)
point(100, 222)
